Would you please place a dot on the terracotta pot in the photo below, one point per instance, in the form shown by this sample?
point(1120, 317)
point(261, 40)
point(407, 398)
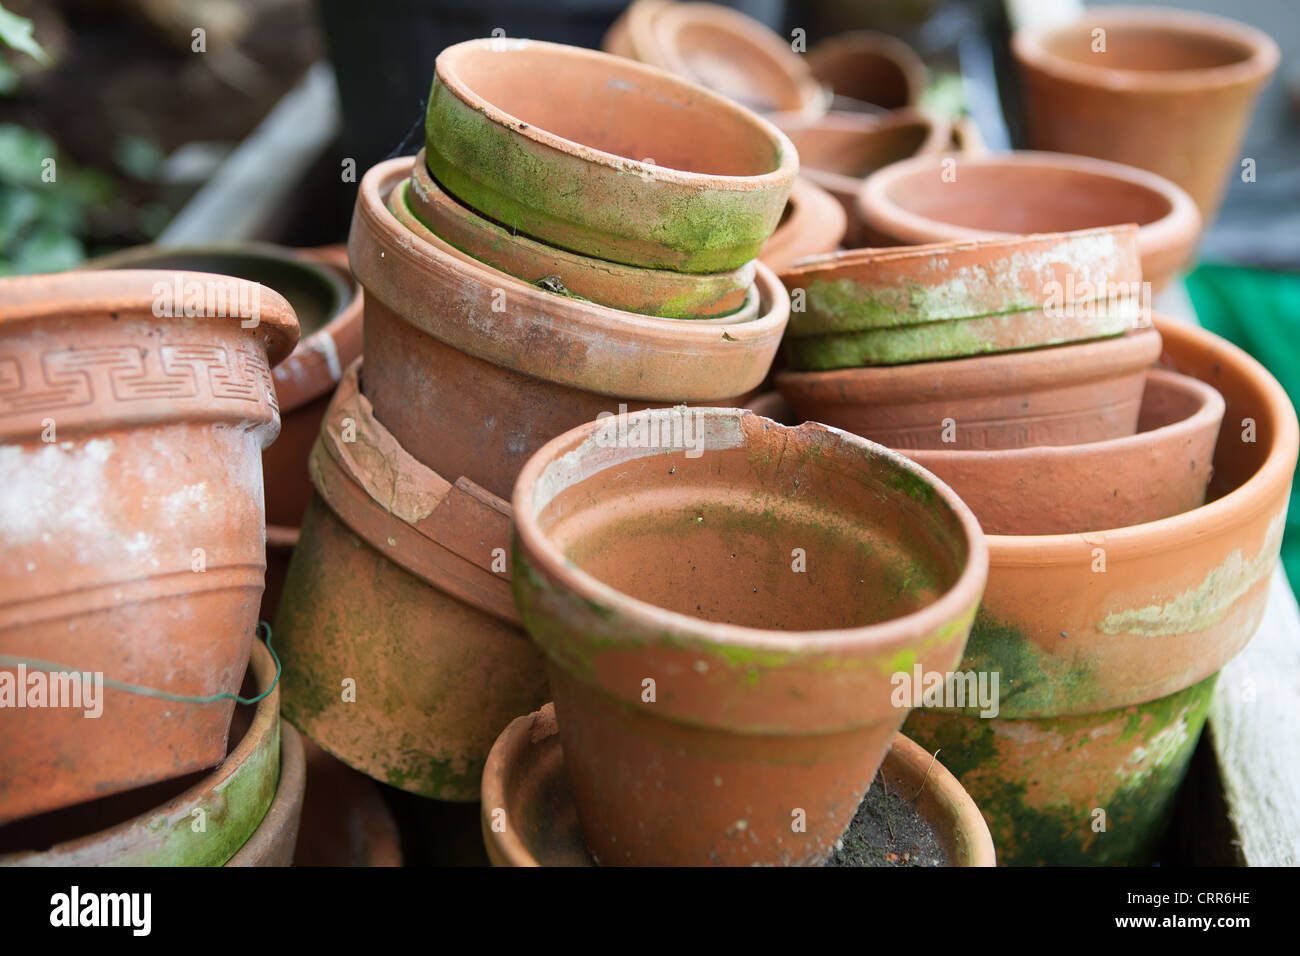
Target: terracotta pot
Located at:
point(927, 199)
point(869, 68)
point(604, 156)
point(529, 817)
point(840, 150)
point(345, 821)
point(1066, 395)
point(274, 840)
point(130, 458)
point(1172, 92)
point(473, 370)
point(632, 35)
point(657, 292)
point(1106, 675)
point(813, 223)
point(400, 585)
point(735, 55)
point(656, 563)
point(155, 825)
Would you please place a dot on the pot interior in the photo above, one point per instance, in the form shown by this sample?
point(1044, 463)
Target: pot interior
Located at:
point(722, 535)
point(1147, 48)
point(730, 65)
point(857, 153)
point(865, 76)
point(616, 108)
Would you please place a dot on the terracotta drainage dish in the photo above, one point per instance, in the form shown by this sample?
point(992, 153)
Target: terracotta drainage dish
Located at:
point(1065, 395)
point(869, 69)
point(813, 223)
point(679, 556)
point(529, 817)
point(927, 199)
point(1108, 642)
point(403, 655)
point(659, 292)
point(1171, 92)
point(605, 157)
point(131, 440)
point(154, 825)
point(472, 370)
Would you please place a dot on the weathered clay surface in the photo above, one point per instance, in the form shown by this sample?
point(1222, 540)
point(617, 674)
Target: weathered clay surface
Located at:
point(273, 842)
point(813, 223)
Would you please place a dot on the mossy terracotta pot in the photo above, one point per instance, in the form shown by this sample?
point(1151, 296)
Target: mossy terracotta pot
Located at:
point(156, 825)
point(529, 817)
point(131, 520)
point(838, 151)
point(657, 292)
point(472, 370)
point(1108, 642)
point(403, 655)
point(932, 199)
point(813, 223)
point(605, 157)
point(667, 563)
point(276, 837)
point(1170, 91)
point(345, 821)
point(869, 68)
point(1067, 395)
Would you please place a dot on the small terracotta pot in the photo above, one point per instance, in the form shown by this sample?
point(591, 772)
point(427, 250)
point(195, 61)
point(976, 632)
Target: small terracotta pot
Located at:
point(400, 585)
point(345, 821)
point(473, 370)
point(869, 68)
point(1172, 92)
point(130, 462)
point(927, 199)
point(155, 825)
point(276, 837)
point(658, 292)
point(651, 559)
point(529, 818)
point(841, 149)
point(813, 223)
point(1067, 395)
point(605, 157)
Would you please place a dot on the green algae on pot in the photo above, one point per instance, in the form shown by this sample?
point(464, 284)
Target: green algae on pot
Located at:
point(276, 837)
point(605, 157)
point(705, 687)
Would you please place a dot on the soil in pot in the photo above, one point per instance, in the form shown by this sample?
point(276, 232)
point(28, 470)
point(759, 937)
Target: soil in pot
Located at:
point(887, 831)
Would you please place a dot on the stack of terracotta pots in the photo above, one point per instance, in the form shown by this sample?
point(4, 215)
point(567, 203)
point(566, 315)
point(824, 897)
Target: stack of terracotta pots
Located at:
point(135, 407)
point(579, 235)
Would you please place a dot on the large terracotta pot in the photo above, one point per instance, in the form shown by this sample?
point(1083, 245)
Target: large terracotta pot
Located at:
point(403, 655)
point(706, 688)
point(529, 819)
point(472, 370)
point(869, 68)
point(1067, 395)
point(813, 223)
point(200, 820)
point(131, 517)
point(605, 157)
point(1172, 91)
point(940, 199)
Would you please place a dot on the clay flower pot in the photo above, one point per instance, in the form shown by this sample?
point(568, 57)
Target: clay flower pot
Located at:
point(652, 563)
point(657, 292)
point(345, 821)
point(1108, 643)
point(813, 223)
point(869, 68)
point(131, 520)
point(276, 837)
point(632, 35)
point(403, 655)
point(529, 817)
point(1066, 395)
point(154, 825)
point(605, 157)
point(840, 150)
point(927, 199)
point(472, 370)
point(1171, 92)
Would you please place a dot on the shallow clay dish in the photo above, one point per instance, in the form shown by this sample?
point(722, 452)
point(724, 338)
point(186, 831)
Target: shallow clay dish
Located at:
point(605, 157)
point(928, 199)
point(813, 223)
point(869, 68)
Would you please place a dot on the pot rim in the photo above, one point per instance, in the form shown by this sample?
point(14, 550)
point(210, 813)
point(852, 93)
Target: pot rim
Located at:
point(868, 126)
point(130, 291)
point(1030, 46)
point(954, 801)
point(285, 806)
point(961, 595)
point(788, 160)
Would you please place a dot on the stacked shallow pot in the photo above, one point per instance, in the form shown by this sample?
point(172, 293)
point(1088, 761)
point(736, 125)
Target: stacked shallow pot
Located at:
point(533, 268)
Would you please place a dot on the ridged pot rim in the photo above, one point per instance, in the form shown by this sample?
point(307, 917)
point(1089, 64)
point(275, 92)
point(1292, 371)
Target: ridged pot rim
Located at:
point(570, 449)
point(866, 126)
point(445, 70)
point(1029, 45)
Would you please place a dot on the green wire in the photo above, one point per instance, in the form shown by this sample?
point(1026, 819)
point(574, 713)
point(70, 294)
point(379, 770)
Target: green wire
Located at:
point(263, 629)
